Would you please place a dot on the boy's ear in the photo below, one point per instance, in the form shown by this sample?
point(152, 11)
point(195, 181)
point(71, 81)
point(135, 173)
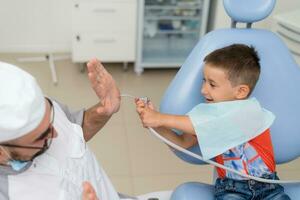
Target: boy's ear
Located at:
point(242, 91)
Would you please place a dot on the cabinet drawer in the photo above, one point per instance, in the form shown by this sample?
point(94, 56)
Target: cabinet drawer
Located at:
point(104, 1)
point(114, 47)
point(104, 16)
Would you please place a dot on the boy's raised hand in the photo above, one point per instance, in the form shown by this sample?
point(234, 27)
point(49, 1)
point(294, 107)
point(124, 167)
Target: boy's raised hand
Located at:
point(147, 113)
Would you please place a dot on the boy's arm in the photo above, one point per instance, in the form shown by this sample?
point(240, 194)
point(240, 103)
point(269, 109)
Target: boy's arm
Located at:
point(179, 122)
point(164, 123)
point(184, 140)
point(154, 119)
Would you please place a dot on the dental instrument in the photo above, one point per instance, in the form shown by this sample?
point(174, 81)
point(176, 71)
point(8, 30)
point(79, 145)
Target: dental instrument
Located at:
point(151, 130)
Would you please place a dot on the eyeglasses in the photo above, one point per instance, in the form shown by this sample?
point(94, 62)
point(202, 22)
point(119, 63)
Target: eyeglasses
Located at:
point(42, 136)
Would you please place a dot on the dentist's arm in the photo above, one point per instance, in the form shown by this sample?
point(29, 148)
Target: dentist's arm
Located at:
point(109, 95)
point(93, 121)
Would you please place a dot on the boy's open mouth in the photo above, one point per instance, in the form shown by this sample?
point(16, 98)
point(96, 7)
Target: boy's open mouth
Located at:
point(209, 100)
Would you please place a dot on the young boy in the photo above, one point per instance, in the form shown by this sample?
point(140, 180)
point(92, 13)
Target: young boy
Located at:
point(229, 75)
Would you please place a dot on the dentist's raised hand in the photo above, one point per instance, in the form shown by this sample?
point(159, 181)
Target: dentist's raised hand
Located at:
point(109, 95)
point(88, 192)
point(147, 113)
point(105, 88)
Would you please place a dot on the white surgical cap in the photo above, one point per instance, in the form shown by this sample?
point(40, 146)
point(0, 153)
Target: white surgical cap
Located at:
point(22, 104)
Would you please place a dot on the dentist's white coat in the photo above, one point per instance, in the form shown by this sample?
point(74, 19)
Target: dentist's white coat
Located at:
point(58, 174)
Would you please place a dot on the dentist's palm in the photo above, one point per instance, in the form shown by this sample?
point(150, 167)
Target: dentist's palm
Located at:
point(105, 88)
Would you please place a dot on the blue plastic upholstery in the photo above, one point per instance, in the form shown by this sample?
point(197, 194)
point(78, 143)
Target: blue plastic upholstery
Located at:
point(193, 191)
point(277, 90)
point(248, 11)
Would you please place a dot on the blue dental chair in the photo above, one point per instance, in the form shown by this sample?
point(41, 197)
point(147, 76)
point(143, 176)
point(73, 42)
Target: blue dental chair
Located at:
point(277, 89)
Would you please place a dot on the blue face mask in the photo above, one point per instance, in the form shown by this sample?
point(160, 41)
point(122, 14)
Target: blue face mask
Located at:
point(18, 165)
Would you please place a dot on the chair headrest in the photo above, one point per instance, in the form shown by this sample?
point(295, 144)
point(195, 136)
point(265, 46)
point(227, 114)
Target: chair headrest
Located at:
point(248, 11)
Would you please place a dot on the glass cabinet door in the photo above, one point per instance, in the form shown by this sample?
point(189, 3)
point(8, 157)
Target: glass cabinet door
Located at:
point(171, 30)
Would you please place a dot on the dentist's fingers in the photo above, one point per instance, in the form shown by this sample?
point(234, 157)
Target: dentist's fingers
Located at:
point(88, 192)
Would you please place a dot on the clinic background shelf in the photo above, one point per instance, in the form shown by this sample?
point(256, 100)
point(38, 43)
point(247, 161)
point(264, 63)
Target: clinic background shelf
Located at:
point(178, 32)
point(172, 18)
point(147, 7)
point(168, 30)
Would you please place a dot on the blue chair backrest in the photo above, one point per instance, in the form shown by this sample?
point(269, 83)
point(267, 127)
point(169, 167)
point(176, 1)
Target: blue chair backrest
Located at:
point(277, 89)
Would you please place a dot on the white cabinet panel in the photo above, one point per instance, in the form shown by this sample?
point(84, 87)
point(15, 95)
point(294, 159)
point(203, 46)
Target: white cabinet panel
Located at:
point(109, 15)
point(105, 29)
point(107, 48)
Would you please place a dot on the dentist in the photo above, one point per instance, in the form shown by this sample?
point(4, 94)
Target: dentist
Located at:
point(43, 151)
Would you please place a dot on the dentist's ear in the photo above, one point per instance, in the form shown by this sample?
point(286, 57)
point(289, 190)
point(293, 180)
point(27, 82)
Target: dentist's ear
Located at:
point(242, 91)
point(3, 155)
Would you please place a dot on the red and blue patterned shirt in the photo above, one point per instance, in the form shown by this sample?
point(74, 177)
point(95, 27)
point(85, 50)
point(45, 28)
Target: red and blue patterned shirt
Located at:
point(255, 158)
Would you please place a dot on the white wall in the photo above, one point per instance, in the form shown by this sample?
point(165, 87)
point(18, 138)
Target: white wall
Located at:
point(221, 19)
point(35, 25)
point(45, 25)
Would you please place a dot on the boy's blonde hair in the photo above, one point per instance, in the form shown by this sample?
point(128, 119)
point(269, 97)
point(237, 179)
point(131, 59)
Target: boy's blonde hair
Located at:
point(240, 62)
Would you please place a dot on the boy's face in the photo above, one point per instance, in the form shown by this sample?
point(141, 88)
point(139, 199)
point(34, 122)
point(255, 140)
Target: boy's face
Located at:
point(216, 87)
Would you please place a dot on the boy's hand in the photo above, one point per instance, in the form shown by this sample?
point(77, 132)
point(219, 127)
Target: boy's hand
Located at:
point(147, 114)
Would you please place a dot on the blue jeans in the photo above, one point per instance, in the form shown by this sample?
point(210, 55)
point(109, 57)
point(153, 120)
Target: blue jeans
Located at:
point(230, 189)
